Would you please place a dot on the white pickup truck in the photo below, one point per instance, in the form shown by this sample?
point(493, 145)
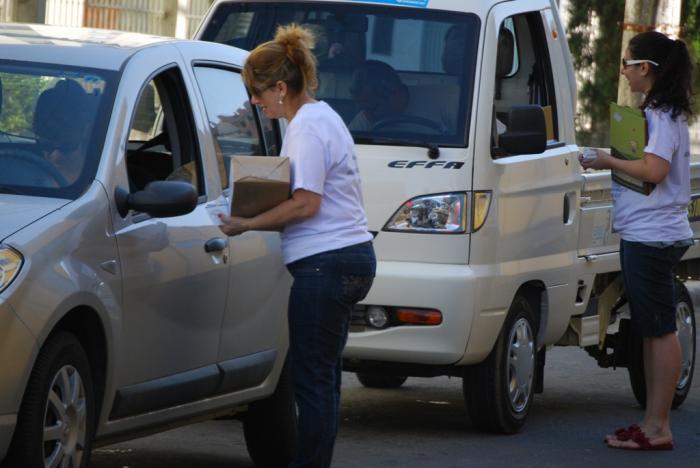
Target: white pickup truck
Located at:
point(493, 245)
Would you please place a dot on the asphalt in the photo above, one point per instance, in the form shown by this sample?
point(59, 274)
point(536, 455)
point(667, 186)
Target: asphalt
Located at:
point(424, 425)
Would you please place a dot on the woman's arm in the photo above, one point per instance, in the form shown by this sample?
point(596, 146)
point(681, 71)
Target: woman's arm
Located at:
point(651, 168)
point(301, 206)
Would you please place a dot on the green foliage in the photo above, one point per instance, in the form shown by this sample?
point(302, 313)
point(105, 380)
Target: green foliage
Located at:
point(691, 20)
point(19, 96)
point(600, 59)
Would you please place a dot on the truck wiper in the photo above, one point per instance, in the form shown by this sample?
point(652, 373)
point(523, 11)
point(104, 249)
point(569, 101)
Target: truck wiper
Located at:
point(433, 148)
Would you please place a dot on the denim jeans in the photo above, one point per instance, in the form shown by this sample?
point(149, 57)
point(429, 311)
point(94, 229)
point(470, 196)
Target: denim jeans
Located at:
point(647, 273)
point(326, 287)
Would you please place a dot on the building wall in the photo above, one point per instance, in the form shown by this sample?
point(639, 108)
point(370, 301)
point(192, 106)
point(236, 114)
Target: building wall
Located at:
point(178, 18)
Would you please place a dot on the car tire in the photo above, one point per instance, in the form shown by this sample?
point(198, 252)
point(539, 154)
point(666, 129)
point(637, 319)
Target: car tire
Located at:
point(270, 426)
point(685, 322)
point(57, 415)
point(498, 392)
point(372, 380)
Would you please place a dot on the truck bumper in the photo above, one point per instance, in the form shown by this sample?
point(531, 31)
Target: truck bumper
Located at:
point(447, 288)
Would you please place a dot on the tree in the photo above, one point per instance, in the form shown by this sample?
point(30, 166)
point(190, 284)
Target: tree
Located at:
point(596, 38)
point(596, 57)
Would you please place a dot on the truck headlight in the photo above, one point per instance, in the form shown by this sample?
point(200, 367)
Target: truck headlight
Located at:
point(445, 213)
point(10, 263)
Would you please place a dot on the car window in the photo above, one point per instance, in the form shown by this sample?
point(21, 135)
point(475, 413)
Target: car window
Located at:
point(162, 142)
point(232, 119)
point(523, 76)
point(394, 78)
point(51, 127)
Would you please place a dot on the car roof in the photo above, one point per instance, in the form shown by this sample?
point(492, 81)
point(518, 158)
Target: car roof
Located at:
point(95, 48)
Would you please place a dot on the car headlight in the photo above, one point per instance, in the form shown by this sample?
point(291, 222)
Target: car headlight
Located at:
point(445, 213)
point(10, 263)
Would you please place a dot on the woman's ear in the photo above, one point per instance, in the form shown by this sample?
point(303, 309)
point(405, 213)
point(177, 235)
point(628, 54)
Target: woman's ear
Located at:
point(281, 86)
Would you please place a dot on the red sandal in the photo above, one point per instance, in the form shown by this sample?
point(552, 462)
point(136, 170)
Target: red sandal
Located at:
point(627, 433)
point(639, 438)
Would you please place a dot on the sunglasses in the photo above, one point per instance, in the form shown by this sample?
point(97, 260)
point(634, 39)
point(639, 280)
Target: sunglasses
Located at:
point(626, 63)
point(257, 92)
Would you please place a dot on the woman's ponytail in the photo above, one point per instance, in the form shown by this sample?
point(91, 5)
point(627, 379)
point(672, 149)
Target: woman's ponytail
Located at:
point(288, 57)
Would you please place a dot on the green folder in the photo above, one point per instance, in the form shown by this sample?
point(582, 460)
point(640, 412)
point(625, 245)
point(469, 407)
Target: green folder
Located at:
point(628, 138)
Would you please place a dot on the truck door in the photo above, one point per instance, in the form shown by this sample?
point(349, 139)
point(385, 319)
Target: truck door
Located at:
point(532, 228)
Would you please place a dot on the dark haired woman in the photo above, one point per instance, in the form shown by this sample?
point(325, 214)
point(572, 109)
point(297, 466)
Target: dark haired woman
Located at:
point(654, 228)
point(325, 243)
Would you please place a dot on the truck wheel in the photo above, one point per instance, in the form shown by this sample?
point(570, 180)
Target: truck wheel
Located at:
point(55, 423)
point(372, 380)
point(270, 426)
point(498, 392)
point(685, 322)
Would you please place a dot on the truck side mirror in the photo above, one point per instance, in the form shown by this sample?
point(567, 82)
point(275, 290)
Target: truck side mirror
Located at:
point(527, 131)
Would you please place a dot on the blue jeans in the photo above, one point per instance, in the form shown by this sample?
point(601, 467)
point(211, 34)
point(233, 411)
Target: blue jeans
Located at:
point(326, 287)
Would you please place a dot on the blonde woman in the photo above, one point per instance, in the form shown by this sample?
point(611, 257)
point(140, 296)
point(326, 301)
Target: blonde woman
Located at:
point(325, 242)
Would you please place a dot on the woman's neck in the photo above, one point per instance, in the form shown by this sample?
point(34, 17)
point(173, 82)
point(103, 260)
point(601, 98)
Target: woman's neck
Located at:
point(292, 106)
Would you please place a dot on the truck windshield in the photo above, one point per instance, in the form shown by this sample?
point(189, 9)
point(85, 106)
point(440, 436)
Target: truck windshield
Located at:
point(400, 76)
point(52, 124)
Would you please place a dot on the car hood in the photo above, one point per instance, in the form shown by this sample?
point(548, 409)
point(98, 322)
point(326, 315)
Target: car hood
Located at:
point(18, 211)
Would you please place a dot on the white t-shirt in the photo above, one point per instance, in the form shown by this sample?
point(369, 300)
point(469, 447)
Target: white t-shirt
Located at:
point(663, 214)
point(322, 156)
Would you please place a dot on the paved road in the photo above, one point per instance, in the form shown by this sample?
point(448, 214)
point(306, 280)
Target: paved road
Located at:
point(423, 424)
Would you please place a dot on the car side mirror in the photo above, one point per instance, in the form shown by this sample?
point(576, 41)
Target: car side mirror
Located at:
point(160, 199)
point(527, 131)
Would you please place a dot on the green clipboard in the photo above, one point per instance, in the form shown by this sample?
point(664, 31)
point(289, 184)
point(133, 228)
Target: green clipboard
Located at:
point(628, 138)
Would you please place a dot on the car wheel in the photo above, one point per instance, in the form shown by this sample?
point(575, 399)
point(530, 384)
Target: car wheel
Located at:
point(499, 391)
point(270, 426)
point(55, 424)
point(686, 331)
point(372, 380)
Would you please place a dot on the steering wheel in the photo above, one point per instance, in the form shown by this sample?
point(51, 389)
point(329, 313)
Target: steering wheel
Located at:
point(30, 161)
point(408, 119)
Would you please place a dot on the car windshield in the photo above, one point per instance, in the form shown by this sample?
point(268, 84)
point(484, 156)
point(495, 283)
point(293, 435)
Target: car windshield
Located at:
point(52, 125)
point(395, 75)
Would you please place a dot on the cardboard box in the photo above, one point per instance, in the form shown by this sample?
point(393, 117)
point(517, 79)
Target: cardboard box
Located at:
point(258, 184)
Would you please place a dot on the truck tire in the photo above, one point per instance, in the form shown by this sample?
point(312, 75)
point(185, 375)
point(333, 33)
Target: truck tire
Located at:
point(499, 391)
point(372, 380)
point(270, 426)
point(685, 322)
point(56, 421)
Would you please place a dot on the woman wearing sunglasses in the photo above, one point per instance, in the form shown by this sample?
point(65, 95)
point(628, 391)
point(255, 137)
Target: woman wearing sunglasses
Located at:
point(325, 242)
point(654, 228)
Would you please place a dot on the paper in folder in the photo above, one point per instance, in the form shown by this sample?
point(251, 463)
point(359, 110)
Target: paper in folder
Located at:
point(628, 138)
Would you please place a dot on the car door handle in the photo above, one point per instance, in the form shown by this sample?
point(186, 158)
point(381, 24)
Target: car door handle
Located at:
point(216, 244)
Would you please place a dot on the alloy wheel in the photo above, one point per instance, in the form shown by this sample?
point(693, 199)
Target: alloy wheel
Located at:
point(65, 420)
point(521, 364)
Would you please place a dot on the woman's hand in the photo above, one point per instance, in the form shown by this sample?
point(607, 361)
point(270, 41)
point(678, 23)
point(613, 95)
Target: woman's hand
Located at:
point(601, 161)
point(233, 225)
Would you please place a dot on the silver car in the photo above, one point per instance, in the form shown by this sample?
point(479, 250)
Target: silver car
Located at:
point(123, 308)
